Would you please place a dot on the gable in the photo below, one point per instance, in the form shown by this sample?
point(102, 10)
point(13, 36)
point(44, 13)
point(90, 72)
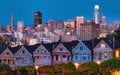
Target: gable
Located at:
point(7, 53)
point(102, 45)
point(81, 47)
point(41, 50)
point(23, 52)
point(61, 48)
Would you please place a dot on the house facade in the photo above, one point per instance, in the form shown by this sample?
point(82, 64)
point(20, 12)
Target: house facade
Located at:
point(81, 53)
point(61, 54)
point(23, 57)
point(102, 52)
point(7, 57)
point(42, 56)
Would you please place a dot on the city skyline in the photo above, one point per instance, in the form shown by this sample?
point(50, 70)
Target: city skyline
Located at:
point(65, 10)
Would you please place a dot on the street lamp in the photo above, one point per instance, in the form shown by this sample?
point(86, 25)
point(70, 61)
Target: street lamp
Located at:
point(36, 68)
point(76, 64)
point(98, 62)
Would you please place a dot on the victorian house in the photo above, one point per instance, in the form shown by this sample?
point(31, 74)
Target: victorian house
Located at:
point(61, 53)
point(42, 55)
point(81, 52)
point(103, 51)
point(23, 57)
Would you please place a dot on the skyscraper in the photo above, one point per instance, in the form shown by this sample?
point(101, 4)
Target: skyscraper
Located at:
point(96, 14)
point(37, 18)
point(12, 22)
point(79, 20)
point(20, 26)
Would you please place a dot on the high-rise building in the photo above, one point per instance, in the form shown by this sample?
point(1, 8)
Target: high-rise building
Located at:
point(79, 21)
point(103, 20)
point(96, 14)
point(37, 18)
point(12, 22)
point(89, 30)
point(20, 26)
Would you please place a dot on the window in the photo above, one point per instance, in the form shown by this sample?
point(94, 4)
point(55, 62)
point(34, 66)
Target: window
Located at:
point(105, 54)
point(41, 51)
point(57, 57)
point(61, 49)
point(117, 54)
point(64, 56)
point(68, 58)
point(81, 47)
point(76, 57)
point(23, 52)
point(102, 45)
point(84, 56)
point(7, 53)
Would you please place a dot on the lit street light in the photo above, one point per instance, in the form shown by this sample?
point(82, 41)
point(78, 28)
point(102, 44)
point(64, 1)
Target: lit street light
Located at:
point(36, 68)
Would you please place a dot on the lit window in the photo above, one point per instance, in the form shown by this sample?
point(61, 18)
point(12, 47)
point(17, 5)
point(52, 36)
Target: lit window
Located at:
point(102, 45)
point(117, 54)
point(105, 54)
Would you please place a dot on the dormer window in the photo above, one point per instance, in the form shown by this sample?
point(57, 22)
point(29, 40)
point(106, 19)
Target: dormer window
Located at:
point(41, 51)
point(23, 52)
point(7, 53)
point(81, 47)
point(102, 45)
point(61, 49)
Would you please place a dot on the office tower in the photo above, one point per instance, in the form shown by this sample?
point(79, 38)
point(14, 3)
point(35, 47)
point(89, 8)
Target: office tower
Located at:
point(8, 28)
point(51, 25)
point(12, 22)
point(116, 25)
point(73, 25)
point(96, 14)
point(103, 27)
point(79, 21)
point(20, 25)
point(37, 18)
point(103, 20)
point(59, 24)
point(89, 30)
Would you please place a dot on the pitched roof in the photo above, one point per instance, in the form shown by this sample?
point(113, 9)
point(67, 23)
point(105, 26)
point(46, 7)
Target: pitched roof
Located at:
point(3, 46)
point(14, 49)
point(31, 48)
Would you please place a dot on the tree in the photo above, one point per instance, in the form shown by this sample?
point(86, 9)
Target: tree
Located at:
point(1, 39)
point(89, 67)
point(30, 70)
point(49, 69)
point(110, 66)
point(117, 34)
point(5, 69)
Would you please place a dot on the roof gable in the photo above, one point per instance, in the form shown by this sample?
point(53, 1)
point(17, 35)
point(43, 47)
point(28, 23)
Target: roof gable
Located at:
point(102, 44)
point(81, 47)
point(23, 52)
point(61, 48)
point(41, 50)
point(7, 53)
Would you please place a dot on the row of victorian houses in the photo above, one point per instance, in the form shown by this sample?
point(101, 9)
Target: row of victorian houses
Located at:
point(59, 52)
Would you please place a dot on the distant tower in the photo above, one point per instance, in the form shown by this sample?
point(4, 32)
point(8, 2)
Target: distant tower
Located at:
point(20, 26)
point(12, 22)
point(37, 18)
point(79, 20)
point(96, 14)
point(103, 20)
